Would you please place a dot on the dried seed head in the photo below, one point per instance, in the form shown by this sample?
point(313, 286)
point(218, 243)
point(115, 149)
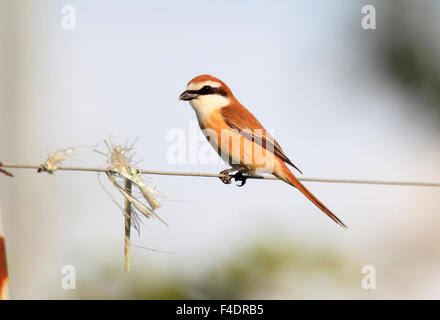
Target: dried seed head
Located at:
point(120, 160)
point(54, 159)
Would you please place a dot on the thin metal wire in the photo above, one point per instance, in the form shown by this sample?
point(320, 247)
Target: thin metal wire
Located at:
point(214, 175)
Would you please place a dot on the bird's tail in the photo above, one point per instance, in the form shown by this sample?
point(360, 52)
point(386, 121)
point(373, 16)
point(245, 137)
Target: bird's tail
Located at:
point(287, 176)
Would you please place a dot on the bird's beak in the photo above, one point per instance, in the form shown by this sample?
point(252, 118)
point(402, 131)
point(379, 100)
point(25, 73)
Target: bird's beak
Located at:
point(188, 95)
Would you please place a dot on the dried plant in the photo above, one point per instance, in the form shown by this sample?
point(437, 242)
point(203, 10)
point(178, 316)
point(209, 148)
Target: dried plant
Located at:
point(54, 159)
point(120, 162)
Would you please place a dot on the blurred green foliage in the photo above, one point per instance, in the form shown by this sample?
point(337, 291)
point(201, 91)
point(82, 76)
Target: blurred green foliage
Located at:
point(257, 270)
point(408, 48)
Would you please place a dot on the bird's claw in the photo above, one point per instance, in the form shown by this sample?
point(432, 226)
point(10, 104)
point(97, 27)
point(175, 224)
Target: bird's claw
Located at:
point(226, 179)
point(239, 176)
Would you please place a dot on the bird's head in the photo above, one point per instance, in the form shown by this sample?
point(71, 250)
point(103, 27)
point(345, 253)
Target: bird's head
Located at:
point(207, 93)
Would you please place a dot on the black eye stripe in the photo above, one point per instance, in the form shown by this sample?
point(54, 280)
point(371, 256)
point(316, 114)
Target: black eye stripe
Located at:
point(211, 90)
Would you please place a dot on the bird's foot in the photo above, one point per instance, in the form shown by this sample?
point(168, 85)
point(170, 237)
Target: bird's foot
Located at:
point(226, 178)
point(239, 176)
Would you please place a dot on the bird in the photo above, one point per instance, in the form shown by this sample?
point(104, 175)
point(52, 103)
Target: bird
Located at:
point(239, 138)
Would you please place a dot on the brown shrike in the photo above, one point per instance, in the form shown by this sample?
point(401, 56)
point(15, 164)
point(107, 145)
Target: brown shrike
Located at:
point(239, 138)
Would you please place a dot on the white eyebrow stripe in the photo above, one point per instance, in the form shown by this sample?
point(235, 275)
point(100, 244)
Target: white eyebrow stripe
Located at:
point(200, 85)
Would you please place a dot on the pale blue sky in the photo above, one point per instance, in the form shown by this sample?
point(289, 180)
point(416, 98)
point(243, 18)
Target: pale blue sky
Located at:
point(299, 67)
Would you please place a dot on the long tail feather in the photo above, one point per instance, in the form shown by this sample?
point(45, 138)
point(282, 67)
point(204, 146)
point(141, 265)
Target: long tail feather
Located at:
point(287, 176)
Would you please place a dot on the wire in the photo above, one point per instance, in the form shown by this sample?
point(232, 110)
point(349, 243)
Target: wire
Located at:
point(213, 175)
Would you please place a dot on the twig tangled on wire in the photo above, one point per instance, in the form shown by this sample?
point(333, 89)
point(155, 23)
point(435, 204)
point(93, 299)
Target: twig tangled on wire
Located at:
point(53, 159)
point(120, 169)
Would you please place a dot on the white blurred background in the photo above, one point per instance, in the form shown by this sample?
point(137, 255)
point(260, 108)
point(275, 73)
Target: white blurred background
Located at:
point(343, 102)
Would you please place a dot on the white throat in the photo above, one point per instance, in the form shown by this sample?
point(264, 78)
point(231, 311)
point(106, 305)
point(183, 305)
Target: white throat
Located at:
point(204, 105)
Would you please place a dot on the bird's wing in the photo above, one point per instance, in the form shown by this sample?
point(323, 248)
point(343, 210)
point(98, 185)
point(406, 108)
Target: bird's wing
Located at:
point(239, 118)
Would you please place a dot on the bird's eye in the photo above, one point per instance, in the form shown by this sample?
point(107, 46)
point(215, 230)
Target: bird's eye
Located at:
point(205, 90)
